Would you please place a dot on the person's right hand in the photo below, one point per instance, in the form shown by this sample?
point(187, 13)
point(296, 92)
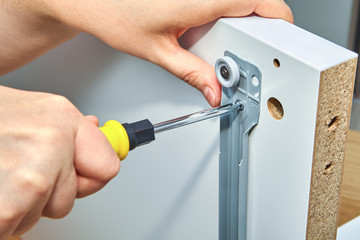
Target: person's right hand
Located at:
point(49, 155)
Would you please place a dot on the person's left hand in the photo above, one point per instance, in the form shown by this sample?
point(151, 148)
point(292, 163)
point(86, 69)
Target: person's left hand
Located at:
point(150, 29)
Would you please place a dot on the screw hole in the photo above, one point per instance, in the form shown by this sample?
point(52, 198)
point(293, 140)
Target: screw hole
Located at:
point(276, 62)
point(333, 123)
point(255, 81)
point(275, 108)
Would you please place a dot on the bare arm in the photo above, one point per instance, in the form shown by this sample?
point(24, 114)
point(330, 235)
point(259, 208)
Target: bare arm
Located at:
point(49, 152)
point(25, 34)
point(33, 27)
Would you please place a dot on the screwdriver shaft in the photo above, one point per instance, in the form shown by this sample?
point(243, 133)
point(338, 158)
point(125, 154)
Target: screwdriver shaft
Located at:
point(198, 116)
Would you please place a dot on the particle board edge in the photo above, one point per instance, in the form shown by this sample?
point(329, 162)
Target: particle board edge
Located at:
point(332, 122)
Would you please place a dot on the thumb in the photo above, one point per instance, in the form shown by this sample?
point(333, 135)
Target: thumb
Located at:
point(93, 119)
point(190, 69)
point(96, 163)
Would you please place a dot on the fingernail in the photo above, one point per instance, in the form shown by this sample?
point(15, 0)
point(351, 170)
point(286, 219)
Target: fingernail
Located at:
point(209, 95)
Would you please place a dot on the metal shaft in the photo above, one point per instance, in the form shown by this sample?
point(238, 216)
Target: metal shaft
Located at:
point(198, 116)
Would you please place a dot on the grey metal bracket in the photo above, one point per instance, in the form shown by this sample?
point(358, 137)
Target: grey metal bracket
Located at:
point(234, 142)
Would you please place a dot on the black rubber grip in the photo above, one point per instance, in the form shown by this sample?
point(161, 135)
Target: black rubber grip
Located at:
point(139, 133)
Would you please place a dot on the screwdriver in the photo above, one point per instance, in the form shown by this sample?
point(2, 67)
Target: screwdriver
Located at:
point(127, 136)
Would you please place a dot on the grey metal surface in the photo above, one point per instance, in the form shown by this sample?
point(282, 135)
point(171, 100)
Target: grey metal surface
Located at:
point(198, 116)
point(234, 140)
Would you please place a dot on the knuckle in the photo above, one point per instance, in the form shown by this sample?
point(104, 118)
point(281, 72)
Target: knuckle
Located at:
point(191, 77)
point(51, 136)
point(62, 104)
point(33, 181)
point(60, 100)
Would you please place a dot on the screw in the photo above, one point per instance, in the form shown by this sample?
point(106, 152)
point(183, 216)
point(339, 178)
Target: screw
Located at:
point(238, 105)
point(224, 71)
point(241, 107)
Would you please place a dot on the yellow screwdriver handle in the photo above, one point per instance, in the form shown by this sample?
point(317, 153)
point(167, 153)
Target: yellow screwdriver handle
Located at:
point(118, 137)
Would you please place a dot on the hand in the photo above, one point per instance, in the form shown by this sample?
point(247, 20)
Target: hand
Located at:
point(49, 154)
point(150, 29)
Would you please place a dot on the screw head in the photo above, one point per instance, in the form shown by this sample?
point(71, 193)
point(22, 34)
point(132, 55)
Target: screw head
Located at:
point(224, 71)
point(241, 107)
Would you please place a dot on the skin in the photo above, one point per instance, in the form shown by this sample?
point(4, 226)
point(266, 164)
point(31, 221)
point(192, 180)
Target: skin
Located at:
point(49, 152)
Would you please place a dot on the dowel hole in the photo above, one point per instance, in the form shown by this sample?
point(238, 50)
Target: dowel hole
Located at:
point(328, 167)
point(275, 108)
point(333, 123)
point(276, 62)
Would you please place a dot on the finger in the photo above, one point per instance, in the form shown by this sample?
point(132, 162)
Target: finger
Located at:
point(89, 185)
point(96, 162)
point(274, 9)
point(203, 12)
point(23, 197)
point(190, 69)
point(29, 220)
point(62, 198)
point(93, 119)
point(10, 216)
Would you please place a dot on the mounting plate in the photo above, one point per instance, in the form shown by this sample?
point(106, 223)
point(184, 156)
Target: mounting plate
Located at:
point(234, 141)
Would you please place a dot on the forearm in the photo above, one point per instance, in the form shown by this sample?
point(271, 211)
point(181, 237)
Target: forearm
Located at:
point(25, 34)
point(145, 29)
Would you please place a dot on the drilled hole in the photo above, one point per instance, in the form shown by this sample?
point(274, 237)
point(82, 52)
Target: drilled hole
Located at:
point(328, 167)
point(275, 108)
point(276, 63)
point(333, 123)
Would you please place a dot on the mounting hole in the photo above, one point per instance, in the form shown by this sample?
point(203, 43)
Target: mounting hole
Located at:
point(333, 123)
point(255, 81)
point(276, 62)
point(328, 167)
point(275, 108)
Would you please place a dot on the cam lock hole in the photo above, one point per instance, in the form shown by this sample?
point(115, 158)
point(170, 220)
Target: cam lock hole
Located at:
point(275, 108)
